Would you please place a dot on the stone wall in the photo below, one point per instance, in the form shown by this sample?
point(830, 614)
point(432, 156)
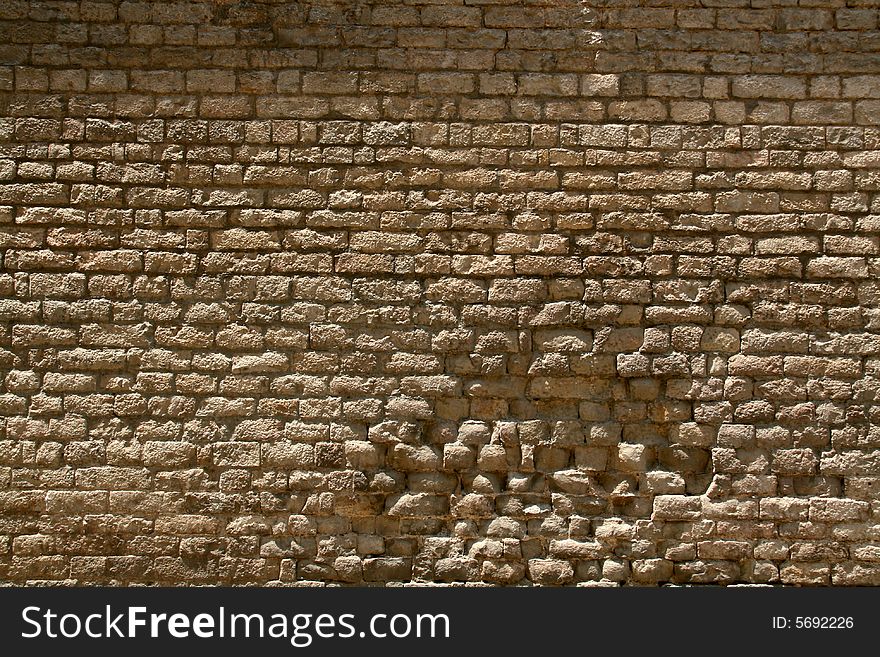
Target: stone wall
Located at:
point(502, 291)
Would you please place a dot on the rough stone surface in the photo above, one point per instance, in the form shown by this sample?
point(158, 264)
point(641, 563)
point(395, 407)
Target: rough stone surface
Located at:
point(547, 292)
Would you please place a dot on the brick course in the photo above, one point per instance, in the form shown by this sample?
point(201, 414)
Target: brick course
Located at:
point(545, 292)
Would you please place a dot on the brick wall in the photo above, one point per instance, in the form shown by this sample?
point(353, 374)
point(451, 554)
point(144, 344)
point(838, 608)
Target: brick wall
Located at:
point(504, 291)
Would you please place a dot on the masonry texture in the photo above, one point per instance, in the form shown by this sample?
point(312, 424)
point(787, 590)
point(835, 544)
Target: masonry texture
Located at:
point(502, 291)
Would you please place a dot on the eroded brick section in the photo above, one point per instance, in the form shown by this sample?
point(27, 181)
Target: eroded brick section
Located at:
point(499, 291)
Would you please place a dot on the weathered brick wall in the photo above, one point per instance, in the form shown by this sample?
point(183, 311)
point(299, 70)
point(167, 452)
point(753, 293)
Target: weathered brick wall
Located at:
point(511, 291)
